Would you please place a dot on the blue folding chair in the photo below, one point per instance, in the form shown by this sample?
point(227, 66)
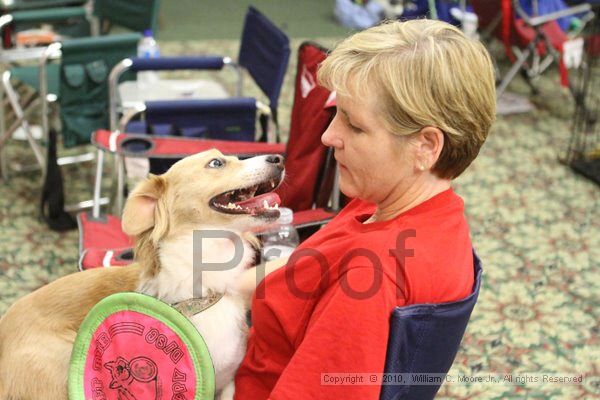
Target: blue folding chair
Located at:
point(225, 118)
point(424, 338)
point(264, 54)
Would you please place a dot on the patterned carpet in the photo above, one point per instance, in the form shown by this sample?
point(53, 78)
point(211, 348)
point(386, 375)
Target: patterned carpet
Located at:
point(535, 225)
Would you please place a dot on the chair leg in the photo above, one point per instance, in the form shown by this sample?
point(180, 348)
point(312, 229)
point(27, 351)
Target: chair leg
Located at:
point(98, 184)
point(120, 197)
point(534, 90)
point(20, 114)
point(3, 136)
point(510, 75)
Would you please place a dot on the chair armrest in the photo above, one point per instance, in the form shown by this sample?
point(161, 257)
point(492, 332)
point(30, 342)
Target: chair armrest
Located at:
point(12, 6)
point(139, 145)
point(44, 15)
point(542, 19)
point(312, 217)
point(179, 63)
point(49, 14)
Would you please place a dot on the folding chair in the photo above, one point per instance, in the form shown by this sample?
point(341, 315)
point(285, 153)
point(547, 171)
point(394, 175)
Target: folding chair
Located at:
point(209, 113)
point(310, 163)
point(424, 339)
point(76, 19)
point(264, 54)
point(136, 16)
point(78, 83)
point(532, 43)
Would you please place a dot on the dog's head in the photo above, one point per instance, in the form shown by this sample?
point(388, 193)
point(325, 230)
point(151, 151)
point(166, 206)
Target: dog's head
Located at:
point(206, 189)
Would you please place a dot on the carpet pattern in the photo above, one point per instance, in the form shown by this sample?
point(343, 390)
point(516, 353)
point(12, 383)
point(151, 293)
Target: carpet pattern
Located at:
point(534, 223)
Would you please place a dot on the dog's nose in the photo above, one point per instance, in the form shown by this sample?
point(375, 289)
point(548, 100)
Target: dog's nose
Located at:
point(275, 159)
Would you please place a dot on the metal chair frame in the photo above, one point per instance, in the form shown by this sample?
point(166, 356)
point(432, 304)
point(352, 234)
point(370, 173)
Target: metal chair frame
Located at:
point(537, 65)
point(118, 125)
point(43, 54)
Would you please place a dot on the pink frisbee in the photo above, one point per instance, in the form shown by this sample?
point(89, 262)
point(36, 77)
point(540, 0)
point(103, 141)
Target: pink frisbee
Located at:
point(135, 347)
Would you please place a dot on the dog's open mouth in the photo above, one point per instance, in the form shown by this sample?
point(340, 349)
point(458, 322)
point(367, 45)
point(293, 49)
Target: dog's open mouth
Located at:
point(257, 200)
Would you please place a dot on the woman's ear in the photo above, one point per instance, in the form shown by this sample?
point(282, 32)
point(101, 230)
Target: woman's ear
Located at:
point(139, 214)
point(430, 144)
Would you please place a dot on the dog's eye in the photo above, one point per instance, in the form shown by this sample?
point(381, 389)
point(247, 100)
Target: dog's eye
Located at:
point(215, 163)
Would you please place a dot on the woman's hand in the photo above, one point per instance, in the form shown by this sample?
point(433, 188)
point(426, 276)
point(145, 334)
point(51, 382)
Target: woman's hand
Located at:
point(253, 276)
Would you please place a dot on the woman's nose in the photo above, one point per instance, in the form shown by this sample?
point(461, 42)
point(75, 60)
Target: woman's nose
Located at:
point(331, 137)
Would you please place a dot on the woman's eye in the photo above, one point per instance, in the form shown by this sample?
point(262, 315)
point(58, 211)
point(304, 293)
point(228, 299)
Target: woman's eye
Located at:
point(215, 163)
point(355, 129)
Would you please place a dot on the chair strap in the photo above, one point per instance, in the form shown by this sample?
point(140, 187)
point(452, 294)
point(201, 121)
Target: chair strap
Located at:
point(264, 126)
point(53, 198)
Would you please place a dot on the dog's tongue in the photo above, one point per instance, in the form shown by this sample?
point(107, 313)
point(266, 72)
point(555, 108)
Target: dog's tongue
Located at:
point(259, 201)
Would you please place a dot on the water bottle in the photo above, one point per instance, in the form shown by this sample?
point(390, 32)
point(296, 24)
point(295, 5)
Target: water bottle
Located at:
point(282, 239)
point(147, 48)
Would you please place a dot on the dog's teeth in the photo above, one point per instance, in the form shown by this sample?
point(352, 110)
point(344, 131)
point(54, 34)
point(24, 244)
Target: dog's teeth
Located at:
point(272, 183)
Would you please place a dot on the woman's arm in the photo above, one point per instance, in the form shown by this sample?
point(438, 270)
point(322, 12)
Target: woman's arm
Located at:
point(253, 276)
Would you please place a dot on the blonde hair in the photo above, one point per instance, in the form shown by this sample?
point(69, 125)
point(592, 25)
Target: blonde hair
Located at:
point(423, 73)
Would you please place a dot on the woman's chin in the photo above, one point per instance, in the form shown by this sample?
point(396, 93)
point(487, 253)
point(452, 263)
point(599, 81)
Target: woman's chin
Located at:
point(349, 190)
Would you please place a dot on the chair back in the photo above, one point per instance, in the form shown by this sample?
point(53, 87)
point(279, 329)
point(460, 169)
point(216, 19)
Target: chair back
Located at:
point(424, 338)
point(138, 15)
point(264, 53)
point(85, 65)
point(487, 11)
point(306, 156)
point(421, 9)
point(225, 119)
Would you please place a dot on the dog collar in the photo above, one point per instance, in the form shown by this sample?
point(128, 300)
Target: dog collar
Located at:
point(196, 305)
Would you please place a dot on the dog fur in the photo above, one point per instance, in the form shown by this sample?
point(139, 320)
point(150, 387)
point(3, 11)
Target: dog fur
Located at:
point(37, 333)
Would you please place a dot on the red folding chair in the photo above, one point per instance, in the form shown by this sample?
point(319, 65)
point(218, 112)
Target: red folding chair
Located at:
point(532, 42)
point(309, 164)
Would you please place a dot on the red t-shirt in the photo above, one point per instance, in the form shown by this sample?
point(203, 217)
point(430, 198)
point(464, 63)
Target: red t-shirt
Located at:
point(329, 309)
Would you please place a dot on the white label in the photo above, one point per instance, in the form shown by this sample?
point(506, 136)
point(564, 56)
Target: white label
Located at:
point(573, 53)
point(307, 82)
point(276, 251)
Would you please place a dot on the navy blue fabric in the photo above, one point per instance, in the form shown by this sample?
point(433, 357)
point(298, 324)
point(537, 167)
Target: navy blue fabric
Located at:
point(226, 119)
point(264, 52)
point(424, 338)
point(420, 8)
point(175, 63)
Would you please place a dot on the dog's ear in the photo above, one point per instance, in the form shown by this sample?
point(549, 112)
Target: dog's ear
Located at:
point(143, 209)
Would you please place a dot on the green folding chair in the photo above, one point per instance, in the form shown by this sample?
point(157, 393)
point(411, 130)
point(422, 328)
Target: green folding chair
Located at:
point(74, 18)
point(72, 75)
point(74, 21)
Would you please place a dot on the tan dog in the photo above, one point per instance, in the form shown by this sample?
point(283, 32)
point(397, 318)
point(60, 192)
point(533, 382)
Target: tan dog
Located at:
point(204, 191)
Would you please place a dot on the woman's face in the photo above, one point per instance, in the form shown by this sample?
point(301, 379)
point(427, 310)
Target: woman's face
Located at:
point(374, 164)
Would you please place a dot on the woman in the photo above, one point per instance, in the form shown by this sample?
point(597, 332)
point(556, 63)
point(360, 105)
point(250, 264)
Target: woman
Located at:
point(415, 102)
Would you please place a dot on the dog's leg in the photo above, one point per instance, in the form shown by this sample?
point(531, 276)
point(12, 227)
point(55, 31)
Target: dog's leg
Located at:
point(227, 392)
point(37, 372)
